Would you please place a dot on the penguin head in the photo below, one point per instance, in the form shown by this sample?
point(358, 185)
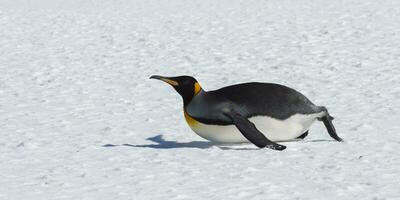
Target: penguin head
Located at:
point(186, 86)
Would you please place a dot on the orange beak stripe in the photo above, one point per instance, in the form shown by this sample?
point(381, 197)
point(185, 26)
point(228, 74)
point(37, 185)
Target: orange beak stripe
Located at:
point(171, 82)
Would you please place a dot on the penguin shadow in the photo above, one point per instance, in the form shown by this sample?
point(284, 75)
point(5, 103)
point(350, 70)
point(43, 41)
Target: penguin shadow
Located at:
point(161, 143)
point(308, 140)
point(318, 140)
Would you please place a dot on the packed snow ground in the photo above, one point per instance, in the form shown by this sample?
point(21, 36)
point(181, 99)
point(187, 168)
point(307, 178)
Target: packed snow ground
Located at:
point(79, 118)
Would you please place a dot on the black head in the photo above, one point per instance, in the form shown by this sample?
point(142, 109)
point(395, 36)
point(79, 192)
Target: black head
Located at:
point(186, 86)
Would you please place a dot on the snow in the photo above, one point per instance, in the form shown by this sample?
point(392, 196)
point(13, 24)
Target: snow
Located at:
point(80, 119)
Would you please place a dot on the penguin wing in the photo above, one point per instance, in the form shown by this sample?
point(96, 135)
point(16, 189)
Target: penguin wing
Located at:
point(250, 132)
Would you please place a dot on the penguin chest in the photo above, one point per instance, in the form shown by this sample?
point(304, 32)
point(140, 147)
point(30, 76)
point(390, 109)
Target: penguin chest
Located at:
point(273, 129)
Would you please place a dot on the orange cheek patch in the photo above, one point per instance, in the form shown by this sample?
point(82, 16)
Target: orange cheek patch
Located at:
point(197, 88)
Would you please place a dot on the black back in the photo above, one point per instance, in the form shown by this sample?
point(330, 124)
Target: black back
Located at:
point(249, 99)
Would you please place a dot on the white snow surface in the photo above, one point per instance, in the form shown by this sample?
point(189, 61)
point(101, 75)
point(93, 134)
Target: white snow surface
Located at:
point(79, 118)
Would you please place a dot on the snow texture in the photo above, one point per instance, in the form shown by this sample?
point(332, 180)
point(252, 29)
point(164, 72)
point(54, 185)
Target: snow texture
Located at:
point(79, 118)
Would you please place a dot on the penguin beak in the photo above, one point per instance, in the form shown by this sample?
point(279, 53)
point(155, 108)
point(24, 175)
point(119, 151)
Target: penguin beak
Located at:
point(165, 79)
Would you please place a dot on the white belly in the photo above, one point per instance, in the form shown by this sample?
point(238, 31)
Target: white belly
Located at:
point(273, 129)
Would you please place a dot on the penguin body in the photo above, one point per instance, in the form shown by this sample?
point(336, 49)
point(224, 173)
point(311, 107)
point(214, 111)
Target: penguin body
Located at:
point(277, 111)
point(260, 113)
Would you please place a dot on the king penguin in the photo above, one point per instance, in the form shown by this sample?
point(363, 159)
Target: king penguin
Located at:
point(260, 113)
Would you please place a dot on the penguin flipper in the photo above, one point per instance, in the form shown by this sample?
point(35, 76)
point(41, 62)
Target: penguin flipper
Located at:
point(250, 132)
point(327, 120)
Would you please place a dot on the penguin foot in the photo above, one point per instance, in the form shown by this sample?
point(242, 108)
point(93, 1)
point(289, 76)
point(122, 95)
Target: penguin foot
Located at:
point(303, 135)
point(277, 147)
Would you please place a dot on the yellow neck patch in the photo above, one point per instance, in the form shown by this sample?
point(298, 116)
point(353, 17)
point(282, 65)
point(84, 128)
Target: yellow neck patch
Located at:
point(197, 88)
point(191, 122)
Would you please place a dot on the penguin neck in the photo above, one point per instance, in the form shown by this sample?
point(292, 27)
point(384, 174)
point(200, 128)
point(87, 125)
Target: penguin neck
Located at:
point(188, 99)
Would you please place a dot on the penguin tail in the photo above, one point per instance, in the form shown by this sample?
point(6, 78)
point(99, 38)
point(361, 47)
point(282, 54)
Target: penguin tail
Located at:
point(327, 120)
